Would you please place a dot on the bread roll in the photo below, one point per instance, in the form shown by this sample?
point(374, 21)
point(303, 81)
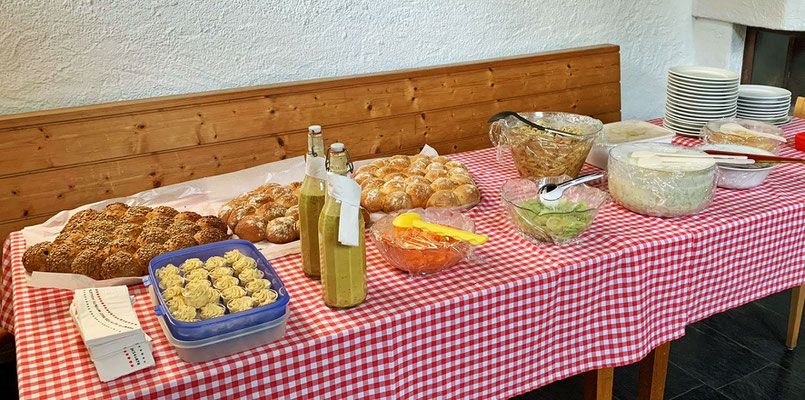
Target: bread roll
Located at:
point(367, 169)
point(35, 257)
point(457, 171)
point(461, 179)
point(71, 237)
point(440, 159)
point(372, 199)
point(61, 258)
point(209, 235)
point(443, 199)
point(288, 200)
point(95, 240)
point(282, 230)
point(86, 215)
point(153, 235)
point(259, 199)
point(443, 184)
point(415, 171)
point(379, 163)
point(180, 241)
point(271, 211)
point(434, 174)
point(251, 228)
point(382, 172)
point(362, 177)
point(399, 157)
point(393, 186)
point(130, 231)
point(187, 216)
point(467, 194)
point(161, 211)
point(455, 164)
point(396, 176)
point(89, 263)
point(373, 183)
point(119, 265)
point(115, 210)
point(145, 254)
point(212, 222)
point(396, 201)
point(135, 215)
point(161, 222)
point(241, 212)
point(102, 225)
point(293, 212)
point(399, 163)
point(183, 226)
point(421, 163)
point(280, 191)
point(226, 210)
point(419, 194)
point(417, 179)
point(265, 188)
point(124, 244)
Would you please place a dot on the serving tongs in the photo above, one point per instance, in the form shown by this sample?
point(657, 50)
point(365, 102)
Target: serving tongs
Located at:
point(504, 114)
point(758, 157)
point(685, 158)
point(551, 193)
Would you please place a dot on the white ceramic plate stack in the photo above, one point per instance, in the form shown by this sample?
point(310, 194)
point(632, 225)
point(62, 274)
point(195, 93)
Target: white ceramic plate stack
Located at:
point(764, 103)
point(698, 94)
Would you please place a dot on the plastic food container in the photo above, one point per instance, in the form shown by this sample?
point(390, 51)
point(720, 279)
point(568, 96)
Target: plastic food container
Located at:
point(659, 192)
point(195, 351)
point(417, 252)
point(561, 224)
point(734, 176)
point(711, 133)
point(625, 132)
point(537, 153)
point(229, 323)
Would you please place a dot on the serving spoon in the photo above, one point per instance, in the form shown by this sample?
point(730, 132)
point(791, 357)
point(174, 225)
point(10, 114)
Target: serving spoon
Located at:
point(504, 114)
point(551, 193)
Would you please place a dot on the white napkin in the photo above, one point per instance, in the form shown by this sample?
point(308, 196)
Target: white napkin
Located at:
point(314, 167)
point(348, 193)
point(111, 331)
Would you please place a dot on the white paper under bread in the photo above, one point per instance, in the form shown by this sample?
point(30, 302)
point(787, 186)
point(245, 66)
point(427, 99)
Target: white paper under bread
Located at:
point(204, 196)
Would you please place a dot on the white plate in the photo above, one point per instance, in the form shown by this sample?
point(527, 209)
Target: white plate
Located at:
point(694, 120)
point(675, 80)
point(702, 88)
point(703, 73)
point(781, 110)
point(775, 121)
point(768, 106)
point(713, 101)
point(681, 131)
point(701, 92)
point(696, 108)
point(772, 117)
point(698, 113)
point(669, 122)
point(763, 92)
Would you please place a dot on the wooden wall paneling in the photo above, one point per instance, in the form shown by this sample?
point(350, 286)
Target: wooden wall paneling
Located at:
point(94, 139)
point(60, 159)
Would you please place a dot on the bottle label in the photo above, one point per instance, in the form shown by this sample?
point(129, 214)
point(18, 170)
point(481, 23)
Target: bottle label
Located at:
point(314, 167)
point(348, 192)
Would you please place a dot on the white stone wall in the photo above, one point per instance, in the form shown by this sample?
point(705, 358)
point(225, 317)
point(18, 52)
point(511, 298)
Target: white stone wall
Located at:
point(75, 52)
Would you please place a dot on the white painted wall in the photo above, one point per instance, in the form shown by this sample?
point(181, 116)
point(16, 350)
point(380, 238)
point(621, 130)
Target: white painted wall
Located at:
point(75, 52)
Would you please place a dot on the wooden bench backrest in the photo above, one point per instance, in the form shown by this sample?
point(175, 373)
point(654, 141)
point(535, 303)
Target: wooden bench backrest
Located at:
point(59, 159)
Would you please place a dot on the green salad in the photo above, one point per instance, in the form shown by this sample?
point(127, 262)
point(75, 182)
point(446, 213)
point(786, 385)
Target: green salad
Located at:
point(566, 220)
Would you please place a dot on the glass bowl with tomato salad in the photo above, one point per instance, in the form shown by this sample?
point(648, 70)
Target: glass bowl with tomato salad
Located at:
point(419, 252)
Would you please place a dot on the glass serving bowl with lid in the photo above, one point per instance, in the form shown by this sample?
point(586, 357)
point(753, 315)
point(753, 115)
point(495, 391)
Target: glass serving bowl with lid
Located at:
point(538, 153)
point(713, 134)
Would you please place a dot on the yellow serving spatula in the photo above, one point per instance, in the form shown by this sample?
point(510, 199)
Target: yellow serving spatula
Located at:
point(414, 220)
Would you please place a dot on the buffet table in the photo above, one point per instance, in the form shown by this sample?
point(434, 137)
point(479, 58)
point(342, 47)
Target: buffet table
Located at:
point(517, 317)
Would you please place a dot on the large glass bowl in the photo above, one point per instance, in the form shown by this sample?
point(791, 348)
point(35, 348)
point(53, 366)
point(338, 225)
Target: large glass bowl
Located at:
point(417, 253)
point(537, 153)
point(711, 134)
point(659, 192)
point(561, 224)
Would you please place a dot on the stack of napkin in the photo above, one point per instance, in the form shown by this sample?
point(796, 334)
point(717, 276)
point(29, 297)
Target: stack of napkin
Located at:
point(111, 331)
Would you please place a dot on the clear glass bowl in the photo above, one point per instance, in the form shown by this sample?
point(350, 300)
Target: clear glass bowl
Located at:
point(561, 225)
point(409, 250)
point(711, 134)
point(537, 153)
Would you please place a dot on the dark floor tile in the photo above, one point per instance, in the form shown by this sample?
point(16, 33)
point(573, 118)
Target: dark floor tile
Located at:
point(778, 302)
point(762, 332)
point(677, 381)
point(567, 389)
point(701, 393)
point(772, 382)
point(712, 358)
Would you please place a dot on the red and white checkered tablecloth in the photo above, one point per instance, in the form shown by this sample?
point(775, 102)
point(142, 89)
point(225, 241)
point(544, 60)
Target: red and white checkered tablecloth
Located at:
point(517, 318)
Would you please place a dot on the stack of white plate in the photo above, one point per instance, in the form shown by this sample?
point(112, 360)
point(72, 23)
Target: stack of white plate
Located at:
point(764, 103)
point(698, 94)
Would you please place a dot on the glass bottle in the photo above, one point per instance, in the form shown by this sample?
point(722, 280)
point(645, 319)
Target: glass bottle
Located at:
point(311, 200)
point(343, 268)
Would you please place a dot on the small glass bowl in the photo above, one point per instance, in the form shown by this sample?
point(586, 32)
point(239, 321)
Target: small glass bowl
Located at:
point(559, 225)
point(418, 254)
point(711, 134)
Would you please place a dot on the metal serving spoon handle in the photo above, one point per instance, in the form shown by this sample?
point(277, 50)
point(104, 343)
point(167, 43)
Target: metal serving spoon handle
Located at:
point(553, 192)
point(504, 114)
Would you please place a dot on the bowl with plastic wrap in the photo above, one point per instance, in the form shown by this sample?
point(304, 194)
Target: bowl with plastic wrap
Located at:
point(660, 190)
point(742, 132)
point(419, 252)
point(538, 153)
point(738, 176)
point(559, 223)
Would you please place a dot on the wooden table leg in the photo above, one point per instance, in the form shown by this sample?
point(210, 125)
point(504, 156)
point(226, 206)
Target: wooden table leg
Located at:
point(651, 378)
point(795, 316)
point(598, 384)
